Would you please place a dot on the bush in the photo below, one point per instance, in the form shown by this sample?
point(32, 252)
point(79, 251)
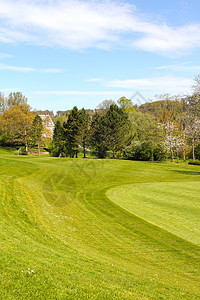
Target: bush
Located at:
point(145, 151)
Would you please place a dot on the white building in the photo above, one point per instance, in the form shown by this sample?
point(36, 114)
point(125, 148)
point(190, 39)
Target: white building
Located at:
point(48, 126)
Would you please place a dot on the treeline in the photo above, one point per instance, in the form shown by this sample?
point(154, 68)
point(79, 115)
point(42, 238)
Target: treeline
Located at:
point(153, 131)
point(166, 128)
point(101, 132)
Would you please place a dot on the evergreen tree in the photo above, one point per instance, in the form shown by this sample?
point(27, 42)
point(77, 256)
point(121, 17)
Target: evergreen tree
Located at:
point(71, 128)
point(116, 124)
point(98, 136)
point(59, 143)
point(83, 130)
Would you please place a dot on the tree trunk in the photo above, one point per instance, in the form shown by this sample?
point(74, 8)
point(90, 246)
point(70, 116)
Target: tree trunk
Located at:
point(177, 154)
point(193, 147)
point(38, 148)
point(84, 156)
point(172, 153)
point(26, 144)
point(184, 157)
point(114, 154)
point(76, 154)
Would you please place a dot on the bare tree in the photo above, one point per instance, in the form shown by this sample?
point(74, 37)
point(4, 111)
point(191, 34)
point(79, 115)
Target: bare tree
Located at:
point(196, 85)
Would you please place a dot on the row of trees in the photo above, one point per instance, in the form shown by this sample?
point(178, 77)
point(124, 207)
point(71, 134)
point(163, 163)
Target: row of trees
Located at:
point(168, 127)
point(153, 131)
point(102, 132)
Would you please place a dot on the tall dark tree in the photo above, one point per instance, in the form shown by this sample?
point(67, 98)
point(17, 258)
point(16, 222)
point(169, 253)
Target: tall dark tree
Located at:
point(36, 131)
point(72, 131)
point(59, 142)
point(82, 138)
point(117, 125)
point(98, 136)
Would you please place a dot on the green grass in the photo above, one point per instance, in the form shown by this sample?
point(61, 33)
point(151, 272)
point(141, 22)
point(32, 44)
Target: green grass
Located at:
point(57, 218)
point(174, 206)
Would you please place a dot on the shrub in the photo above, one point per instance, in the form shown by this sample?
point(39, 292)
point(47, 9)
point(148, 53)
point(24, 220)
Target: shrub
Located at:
point(145, 151)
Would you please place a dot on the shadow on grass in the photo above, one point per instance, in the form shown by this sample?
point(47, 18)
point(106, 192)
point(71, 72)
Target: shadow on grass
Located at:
point(187, 172)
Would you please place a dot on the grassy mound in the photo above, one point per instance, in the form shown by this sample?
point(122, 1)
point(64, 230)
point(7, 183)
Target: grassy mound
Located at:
point(63, 238)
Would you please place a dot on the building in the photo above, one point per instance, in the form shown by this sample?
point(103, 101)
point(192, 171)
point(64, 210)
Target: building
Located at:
point(48, 126)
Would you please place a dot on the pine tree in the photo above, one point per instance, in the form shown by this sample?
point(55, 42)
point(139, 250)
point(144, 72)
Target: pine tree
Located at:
point(98, 136)
point(71, 128)
point(117, 125)
point(59, 143)
point(83, 130)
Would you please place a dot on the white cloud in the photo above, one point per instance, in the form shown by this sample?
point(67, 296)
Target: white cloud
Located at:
point(80, 93)
point(77, 24)
point(168, 84)
point(5, 55)
point(181, 67)
point(14, 68)
point(28, 69)
point(51, 70)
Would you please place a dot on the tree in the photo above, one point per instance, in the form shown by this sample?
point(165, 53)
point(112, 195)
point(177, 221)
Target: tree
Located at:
point(193, 121)
point(104, 106)
point(3, 103)
point(174, 140)
point(16, 98)
point(59, 140)
point(196, 85)
point(116, 125)
point(71, 128)
point(83, 130)
point(16, 123)
point(98, 136)
point(126, 104)
point(36, 131)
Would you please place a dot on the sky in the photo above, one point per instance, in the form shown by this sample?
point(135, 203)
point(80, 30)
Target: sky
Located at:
point(62, 53)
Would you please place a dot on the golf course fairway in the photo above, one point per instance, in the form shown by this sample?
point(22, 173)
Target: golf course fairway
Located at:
point(98, 229)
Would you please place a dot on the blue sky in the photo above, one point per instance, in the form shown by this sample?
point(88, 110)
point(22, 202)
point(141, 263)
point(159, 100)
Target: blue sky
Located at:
point(61, 53)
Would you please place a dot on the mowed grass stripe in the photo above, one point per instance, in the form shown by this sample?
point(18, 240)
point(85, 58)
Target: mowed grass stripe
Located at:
point(79, 243)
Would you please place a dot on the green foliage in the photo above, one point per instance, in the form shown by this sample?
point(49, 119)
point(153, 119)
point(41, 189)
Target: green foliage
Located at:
point(36, 131)
point(146, 151)
point(58, 146)
point(108, 132)
point(144, 127)
point(98, 136)
point(71, 128)
point(197, 152)
point(126, 104)
point(83, 130)
point(116, 125)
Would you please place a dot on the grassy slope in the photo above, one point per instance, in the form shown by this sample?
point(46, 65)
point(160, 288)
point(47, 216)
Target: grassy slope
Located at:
point(56, 220)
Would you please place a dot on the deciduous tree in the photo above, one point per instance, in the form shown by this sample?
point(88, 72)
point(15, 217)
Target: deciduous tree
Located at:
point(36, 131)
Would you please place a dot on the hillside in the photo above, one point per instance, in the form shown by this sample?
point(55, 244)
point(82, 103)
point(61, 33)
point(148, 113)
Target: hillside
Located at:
point(62, 236)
